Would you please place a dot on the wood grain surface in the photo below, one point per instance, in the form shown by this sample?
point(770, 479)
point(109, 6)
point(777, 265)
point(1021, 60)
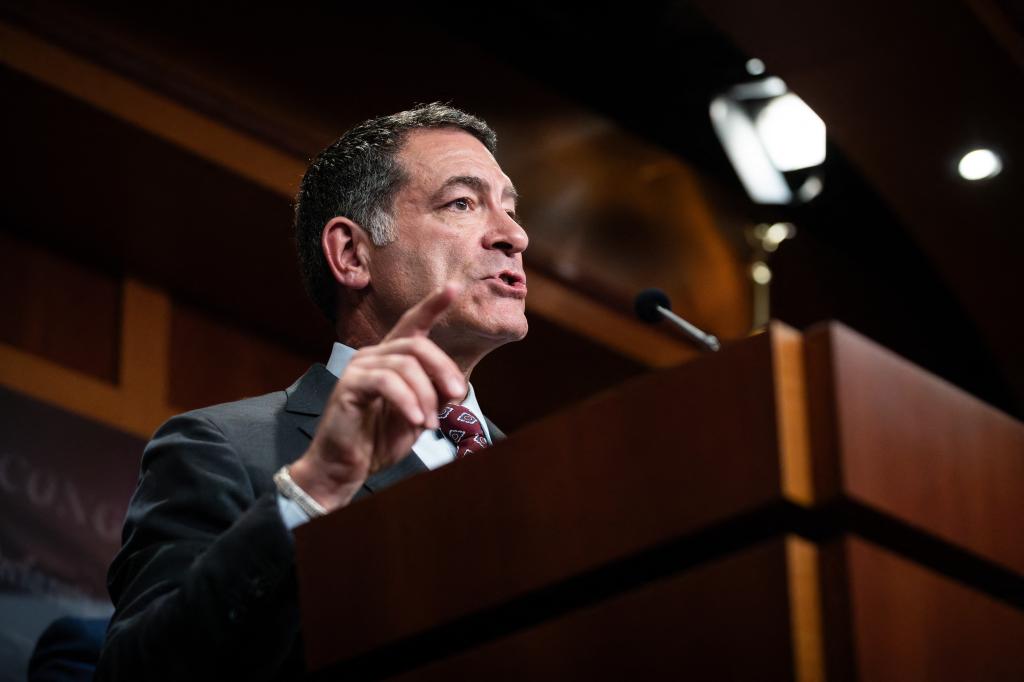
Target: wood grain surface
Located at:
point(630, 471)
point(908, 444)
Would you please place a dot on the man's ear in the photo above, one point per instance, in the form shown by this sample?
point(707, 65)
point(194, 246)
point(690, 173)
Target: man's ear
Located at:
point(347, 249)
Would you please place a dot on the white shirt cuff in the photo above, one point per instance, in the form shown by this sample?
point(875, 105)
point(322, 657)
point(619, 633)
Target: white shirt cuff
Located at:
point(291, 513)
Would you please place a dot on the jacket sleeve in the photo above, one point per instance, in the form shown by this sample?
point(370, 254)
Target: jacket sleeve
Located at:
point(204, 584)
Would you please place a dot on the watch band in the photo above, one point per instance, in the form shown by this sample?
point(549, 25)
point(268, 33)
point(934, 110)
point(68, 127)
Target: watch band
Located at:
point(290, 489)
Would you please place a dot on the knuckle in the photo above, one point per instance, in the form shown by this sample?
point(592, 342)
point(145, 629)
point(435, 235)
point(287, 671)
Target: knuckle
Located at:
point(399, 346)
point(407, 363)
point(379, 377)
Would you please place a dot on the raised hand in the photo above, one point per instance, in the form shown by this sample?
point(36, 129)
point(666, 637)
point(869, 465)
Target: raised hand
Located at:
point(383, 400)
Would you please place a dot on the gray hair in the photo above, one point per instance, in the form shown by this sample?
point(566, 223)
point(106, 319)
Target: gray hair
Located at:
point(358, 177)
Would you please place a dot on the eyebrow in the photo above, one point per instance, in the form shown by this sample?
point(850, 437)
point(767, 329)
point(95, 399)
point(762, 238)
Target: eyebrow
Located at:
point(477, 184)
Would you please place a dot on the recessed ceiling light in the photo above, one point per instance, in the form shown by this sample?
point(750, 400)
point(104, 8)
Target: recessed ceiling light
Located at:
point(980, 164)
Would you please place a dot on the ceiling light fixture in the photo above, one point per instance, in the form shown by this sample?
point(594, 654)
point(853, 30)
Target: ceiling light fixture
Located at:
point(980, 164)
point(775, 142)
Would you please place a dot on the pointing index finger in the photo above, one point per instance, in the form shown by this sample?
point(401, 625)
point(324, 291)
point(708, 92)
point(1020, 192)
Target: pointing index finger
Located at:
point(419, 319)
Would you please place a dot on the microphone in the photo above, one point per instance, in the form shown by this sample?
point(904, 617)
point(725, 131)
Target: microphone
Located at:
point(651, 305)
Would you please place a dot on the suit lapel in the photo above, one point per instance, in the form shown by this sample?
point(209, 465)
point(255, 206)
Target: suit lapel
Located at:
point(408, 466)
point(307, 397)
point(305, 405)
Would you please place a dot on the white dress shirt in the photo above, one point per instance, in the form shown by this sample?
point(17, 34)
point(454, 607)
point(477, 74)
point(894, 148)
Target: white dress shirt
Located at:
point(431, 447)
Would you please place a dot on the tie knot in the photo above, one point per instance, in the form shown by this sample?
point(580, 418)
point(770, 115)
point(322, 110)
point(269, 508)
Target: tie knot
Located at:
point(463, 429)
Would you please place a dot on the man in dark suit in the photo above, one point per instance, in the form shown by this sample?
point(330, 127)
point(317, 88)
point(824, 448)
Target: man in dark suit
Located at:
point(408, 241)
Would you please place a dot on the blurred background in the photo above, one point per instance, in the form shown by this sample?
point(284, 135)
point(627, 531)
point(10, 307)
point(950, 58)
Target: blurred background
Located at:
point(799, 160)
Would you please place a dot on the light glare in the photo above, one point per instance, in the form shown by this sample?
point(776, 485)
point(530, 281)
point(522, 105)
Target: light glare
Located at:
point(777, 233)
point(760, 272)
point(792, 134)
point(811, 188)
point(980, 164)
point(763, 182)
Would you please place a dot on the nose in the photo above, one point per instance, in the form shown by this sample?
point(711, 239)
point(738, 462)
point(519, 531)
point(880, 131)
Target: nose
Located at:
point(507, 235)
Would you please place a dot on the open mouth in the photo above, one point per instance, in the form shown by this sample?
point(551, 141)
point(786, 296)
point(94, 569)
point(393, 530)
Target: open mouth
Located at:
point(511, 279)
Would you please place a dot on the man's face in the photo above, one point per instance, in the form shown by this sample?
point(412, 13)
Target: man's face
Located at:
point(455, 219)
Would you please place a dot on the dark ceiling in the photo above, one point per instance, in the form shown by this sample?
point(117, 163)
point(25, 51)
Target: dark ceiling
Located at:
point(897, 245)
point(866, 253)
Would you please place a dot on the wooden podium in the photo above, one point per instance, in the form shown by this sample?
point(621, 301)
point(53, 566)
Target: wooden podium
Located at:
point(797, 506)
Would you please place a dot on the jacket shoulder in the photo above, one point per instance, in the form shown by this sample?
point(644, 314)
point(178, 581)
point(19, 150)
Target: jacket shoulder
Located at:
point(240, 413)
point(238, 417)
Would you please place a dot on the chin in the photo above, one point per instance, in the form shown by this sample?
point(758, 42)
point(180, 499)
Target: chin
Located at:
point(505, 332)
point(502, 322)
point(512, 327)
point(479, 336)
point(503, 329)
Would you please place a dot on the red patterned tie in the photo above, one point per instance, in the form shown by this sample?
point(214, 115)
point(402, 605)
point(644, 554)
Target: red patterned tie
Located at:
point(462, 428)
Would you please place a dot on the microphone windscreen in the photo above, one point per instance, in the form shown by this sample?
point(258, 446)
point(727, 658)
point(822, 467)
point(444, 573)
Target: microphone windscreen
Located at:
point(646, 304)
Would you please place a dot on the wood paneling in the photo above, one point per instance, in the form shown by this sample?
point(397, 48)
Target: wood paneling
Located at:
point(577, 367)
point(709, 623)
point(623, 473)
point(214, 362)
point(591, 509)
point(791, 402)
point(907, 443)
point(806, 608)
point(910, 623)
point(215, 239)
point(150, 111)
point(138, 402)
point(140, 205)
point(612, 215)
point(59, 310)
point(149, 207)
point(211, 197)
point(908, 108)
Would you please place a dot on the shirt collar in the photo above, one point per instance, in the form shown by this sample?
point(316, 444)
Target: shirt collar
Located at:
point(341, 355)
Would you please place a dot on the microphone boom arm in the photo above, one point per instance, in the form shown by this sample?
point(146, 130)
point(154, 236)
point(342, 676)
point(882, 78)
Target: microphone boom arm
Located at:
point(708, 341)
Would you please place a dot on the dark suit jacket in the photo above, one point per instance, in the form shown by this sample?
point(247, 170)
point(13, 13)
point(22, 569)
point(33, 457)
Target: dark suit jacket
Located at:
point(204, 584)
